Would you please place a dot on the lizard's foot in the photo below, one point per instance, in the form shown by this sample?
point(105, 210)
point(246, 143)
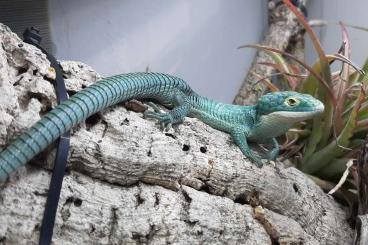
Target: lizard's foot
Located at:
point(272, 154)
point(155, 107)
point(165, 119)
point(240, 140)
point(257, 161)
point(176, 115)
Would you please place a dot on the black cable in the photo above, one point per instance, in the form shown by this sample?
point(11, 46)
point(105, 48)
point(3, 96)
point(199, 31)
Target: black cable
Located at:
point(32, 36)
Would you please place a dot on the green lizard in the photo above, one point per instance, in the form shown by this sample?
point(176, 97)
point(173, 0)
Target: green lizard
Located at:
point(272, 116)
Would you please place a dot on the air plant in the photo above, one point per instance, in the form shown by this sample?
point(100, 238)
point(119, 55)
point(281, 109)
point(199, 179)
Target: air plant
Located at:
point(323, 147)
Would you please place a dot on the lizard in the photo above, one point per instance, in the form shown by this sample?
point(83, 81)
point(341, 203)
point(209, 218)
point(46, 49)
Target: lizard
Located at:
point(271, 116)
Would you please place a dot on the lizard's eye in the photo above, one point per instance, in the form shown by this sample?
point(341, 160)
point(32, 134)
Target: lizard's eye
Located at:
point(291, 101)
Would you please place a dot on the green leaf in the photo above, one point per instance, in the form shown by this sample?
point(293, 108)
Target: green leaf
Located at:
point(363, 78)
point(313, 139)
point(334, 170)
point(267, 82)
point(335, 148)
point(320, 137)
point(310, 84)
point(322, 125)
point(343, 81)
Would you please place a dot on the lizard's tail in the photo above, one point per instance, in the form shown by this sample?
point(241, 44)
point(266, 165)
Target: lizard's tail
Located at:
point(83, 104)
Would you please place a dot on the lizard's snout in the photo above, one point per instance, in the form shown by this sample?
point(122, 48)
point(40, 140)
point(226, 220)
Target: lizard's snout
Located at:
point(319, 106)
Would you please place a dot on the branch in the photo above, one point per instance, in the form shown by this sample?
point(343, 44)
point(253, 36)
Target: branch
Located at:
point(284, 33)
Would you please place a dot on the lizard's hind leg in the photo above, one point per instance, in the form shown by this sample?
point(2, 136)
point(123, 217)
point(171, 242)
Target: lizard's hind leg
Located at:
point(175, 115)
point(167, 119)
point(274, 151)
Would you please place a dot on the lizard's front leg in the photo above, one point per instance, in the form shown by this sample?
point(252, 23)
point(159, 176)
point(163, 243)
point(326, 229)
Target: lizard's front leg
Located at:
point(239, 137)
point(238, 133)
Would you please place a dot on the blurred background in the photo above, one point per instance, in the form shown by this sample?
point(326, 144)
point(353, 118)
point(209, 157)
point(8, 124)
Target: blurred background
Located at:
point(196, 40)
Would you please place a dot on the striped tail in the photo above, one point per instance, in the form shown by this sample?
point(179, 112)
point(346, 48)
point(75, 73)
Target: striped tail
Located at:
point(83, 104)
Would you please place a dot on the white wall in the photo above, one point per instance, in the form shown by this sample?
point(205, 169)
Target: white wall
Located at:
point(196, 40)
point(350, 12)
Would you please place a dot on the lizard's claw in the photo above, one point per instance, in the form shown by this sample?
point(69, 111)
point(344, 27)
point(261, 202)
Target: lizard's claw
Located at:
point(273, 163)
point(165, 119)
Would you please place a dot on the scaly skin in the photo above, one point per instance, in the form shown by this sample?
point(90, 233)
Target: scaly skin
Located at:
point(273, 115)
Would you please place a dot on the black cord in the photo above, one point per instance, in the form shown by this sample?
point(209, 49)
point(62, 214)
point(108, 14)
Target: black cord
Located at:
point(32, 36)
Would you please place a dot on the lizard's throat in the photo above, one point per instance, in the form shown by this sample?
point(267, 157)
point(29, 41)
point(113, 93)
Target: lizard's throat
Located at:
point(277, 123)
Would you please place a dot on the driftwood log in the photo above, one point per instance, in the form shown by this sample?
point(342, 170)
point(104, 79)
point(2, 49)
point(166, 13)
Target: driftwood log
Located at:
point(130, 183)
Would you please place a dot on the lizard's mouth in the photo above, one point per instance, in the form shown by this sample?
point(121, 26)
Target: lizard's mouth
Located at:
point(297, 116)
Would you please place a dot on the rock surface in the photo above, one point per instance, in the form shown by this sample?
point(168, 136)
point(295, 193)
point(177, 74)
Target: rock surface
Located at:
point(130, 183)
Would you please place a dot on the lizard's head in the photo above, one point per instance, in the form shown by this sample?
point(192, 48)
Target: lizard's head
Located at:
point(289, 105)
